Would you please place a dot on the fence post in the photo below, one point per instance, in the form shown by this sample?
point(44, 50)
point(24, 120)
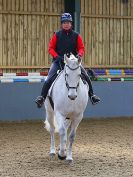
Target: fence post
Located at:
point(77, 16)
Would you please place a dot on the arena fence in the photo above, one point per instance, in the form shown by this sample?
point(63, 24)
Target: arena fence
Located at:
point(107, 26)
point(27, 25)
point(25, 30)
point(101, 75)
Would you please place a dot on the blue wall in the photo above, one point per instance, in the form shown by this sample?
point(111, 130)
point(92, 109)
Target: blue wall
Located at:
point(17, 100)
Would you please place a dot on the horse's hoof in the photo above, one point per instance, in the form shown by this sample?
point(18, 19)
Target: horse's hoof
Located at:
point(69, 161)
point(61, 158)
point(52, 154)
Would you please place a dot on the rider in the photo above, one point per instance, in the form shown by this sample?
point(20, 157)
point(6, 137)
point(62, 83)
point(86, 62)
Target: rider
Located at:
point(62, 42)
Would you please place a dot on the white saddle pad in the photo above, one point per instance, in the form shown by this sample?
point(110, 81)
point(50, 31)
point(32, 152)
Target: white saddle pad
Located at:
point(50, 90)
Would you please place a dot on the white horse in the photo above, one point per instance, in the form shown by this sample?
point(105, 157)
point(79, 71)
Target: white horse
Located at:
point(70, 97)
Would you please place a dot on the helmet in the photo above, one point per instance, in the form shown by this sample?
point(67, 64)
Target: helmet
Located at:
point(66, 17)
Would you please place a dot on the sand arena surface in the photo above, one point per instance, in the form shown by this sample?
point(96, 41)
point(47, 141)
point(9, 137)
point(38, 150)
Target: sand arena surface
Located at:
point(103, 148)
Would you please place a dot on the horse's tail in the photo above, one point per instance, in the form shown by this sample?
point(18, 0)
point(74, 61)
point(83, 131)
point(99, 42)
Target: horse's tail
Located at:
point(47, 125)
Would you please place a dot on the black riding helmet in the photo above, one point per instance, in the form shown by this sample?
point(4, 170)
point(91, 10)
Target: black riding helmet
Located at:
point(66, 17)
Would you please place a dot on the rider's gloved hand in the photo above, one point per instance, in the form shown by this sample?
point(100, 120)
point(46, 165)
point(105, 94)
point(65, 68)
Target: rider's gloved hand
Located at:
point(58, 59)
point(78, 56)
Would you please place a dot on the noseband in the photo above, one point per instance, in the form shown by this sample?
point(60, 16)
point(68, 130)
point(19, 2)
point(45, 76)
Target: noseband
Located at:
point(67, 85)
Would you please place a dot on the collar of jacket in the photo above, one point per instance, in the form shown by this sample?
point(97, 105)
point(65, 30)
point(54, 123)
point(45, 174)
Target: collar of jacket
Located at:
point(67, 31)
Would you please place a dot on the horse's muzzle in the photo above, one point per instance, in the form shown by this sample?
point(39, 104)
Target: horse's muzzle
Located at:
point(72, 97)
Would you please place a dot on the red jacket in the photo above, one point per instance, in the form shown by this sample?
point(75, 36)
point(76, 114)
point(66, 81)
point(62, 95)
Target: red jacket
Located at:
point(52, 46)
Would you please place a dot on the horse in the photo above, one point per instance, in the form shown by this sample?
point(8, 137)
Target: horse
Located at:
point(70, 96)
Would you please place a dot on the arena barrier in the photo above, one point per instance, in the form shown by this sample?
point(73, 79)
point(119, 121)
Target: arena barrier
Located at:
point(102, 75)
point(18, 92)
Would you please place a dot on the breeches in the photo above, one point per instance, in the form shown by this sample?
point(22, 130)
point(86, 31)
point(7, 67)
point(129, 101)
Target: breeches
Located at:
point(52, 74)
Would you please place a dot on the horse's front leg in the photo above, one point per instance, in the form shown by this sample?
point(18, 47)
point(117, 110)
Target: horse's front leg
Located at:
point(63, 136)
point(52, 147)
point(72, 134)
point(49, 125)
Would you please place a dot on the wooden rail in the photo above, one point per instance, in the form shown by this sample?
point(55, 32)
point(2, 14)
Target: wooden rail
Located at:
point(106, 16)
point(86, 66)
point(23, 67)
point(28, 13)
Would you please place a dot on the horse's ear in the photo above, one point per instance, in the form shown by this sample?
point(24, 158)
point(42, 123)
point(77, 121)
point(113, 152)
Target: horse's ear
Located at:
point(65, 58)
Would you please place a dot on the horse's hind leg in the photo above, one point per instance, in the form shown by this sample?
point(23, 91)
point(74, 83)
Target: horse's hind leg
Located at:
point(51, 128)
point(74, 125)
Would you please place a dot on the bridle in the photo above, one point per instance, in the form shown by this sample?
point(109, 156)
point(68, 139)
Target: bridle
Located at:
point(67, 85)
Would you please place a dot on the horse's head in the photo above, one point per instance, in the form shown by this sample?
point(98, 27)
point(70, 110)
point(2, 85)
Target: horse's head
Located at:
point(72, 75)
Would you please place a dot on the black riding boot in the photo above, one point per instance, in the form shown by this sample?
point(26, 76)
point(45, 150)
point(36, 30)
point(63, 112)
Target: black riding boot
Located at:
point(47, 84)
point(40, 99)
point(94, 99)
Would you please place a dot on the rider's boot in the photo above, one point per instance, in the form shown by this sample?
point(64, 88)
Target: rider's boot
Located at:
point(40, 99)
point(47, 84)
point(94, 99)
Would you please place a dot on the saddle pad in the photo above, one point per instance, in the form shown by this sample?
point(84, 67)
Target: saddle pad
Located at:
point(50, 90)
